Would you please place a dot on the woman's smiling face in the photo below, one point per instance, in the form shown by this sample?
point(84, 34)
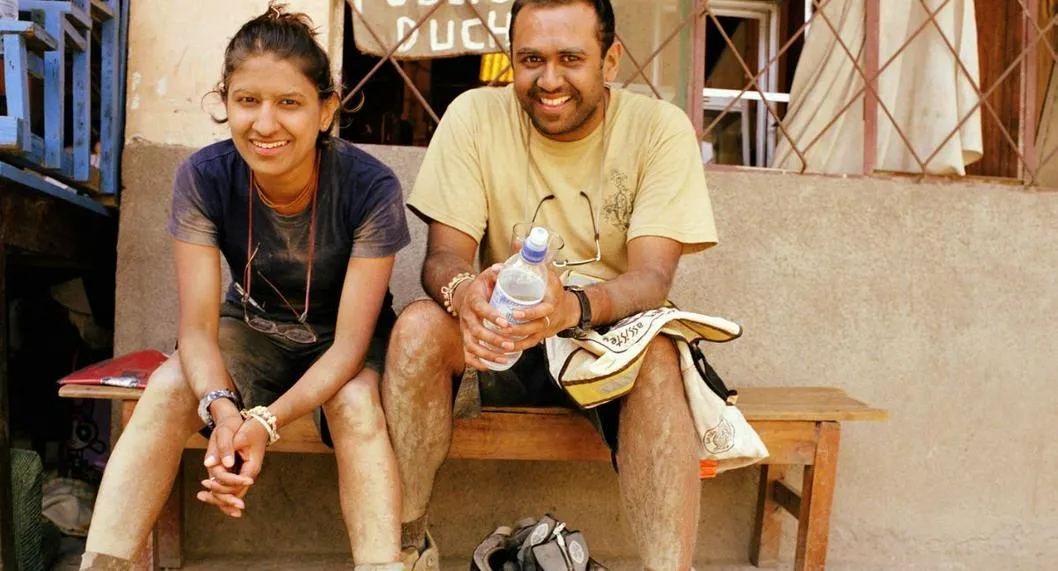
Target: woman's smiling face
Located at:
point(275, 115)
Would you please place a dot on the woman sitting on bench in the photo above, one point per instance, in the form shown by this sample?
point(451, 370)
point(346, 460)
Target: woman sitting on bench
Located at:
point(309, 225)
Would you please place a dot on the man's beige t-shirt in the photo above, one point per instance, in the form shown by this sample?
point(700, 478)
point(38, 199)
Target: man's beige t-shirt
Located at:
point(481, 177)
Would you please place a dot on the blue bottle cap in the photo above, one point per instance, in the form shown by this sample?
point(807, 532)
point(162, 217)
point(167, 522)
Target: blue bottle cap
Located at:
point(535, 247)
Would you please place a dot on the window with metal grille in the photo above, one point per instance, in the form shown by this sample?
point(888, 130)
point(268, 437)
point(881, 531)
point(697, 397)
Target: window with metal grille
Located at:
point(901, 87)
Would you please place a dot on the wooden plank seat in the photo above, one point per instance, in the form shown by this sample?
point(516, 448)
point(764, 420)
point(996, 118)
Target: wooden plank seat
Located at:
point(800, 426)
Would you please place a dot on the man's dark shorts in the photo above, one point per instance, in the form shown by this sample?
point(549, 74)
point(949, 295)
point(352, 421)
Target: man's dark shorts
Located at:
point(529, 383)
point(264, 366)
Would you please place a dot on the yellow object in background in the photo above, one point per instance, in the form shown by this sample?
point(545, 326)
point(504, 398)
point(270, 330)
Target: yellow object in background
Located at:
point(492, 65)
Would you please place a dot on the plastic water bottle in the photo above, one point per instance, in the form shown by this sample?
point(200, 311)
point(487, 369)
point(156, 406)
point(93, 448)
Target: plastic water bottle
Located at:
point(521, 284)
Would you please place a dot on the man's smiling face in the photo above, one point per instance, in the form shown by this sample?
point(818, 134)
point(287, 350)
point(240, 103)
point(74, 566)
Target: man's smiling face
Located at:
point(559, 68)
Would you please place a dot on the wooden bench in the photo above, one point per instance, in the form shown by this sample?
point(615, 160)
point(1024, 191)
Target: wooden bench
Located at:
point(801, 426)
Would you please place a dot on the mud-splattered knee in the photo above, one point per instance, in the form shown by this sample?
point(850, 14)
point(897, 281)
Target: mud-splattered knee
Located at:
point(424, 337)
point(167, 400)
point(662, 360)
point(355, 411)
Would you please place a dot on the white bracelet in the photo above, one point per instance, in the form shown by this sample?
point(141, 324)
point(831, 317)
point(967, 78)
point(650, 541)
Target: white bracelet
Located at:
point(450, 289)
point(266, 418)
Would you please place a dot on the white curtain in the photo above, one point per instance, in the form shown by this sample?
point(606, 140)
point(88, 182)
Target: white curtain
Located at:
point(925, 89)
point(1047, 138)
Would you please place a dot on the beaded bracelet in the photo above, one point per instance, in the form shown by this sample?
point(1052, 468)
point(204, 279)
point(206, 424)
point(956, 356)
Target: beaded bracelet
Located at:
point(266, 418)
point(448, 290)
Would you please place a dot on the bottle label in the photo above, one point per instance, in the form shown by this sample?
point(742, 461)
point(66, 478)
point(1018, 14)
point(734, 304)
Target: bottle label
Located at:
point(507, 305)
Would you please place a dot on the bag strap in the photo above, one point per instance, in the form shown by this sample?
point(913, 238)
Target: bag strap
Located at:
point(709, 375)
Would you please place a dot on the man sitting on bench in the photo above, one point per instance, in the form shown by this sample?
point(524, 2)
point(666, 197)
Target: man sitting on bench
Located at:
point(619, 177)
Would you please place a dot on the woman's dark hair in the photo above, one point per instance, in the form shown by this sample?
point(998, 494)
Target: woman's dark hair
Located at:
point(603, 10)
point(289, 36)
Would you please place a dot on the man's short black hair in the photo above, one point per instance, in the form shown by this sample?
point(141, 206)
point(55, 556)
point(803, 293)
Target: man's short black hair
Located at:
point(603, 10)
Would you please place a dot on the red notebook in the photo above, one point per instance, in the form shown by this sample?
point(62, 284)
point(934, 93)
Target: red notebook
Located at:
point(129, 371)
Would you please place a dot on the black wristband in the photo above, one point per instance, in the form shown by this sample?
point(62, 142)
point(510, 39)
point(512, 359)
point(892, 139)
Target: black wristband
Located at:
point(585, 312)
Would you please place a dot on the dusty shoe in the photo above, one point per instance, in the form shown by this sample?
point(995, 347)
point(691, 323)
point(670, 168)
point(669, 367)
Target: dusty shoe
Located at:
point(426, 560)
point(494, 553)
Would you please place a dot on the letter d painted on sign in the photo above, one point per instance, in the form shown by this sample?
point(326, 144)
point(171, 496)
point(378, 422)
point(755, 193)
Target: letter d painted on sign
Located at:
point(404, 24)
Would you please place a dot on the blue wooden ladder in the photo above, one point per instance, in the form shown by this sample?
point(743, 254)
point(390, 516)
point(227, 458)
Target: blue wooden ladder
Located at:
point(32, 50)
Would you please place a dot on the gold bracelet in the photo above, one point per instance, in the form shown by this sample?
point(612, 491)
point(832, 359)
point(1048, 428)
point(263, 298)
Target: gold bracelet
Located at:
point(266, 418)
point(450, 289)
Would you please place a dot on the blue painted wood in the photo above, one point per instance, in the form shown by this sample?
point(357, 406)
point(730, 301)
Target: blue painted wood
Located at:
point(78, 10)
point(102, 11)
point(54, 91)
point(22, 148)
point(16, 80)
point(115, 40)
point(111, 103)
point(9, 127)
point(82, 110)
point(37, 38)
point(62, 6)
point(17, 175)
point(69, 161)
point(65, 162)
point(78, 40)
point(11, 138)
point(123, 49)
point(36, 65)
point(81, 14)
point(33, 158)
point(36, 149)
point(17, 26)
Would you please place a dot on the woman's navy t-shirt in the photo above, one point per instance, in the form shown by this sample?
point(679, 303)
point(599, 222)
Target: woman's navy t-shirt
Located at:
point(359, 213)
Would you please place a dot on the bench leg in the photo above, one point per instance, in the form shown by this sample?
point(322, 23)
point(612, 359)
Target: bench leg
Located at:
point(817, 493)
point(764, 548)
point(169, 531)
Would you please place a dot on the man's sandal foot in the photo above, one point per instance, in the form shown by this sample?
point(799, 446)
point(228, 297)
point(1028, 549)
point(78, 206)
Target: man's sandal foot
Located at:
point(426, 560)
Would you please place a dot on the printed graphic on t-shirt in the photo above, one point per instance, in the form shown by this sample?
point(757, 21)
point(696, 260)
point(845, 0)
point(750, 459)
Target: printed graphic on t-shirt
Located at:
point(618, 208)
